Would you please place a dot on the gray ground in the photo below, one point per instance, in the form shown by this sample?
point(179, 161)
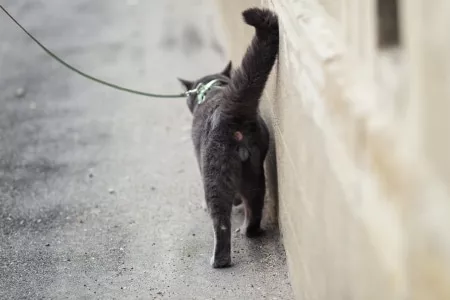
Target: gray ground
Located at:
point(100, 196)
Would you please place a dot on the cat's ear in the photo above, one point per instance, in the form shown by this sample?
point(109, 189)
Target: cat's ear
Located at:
point(186, 83)
point(227, 71)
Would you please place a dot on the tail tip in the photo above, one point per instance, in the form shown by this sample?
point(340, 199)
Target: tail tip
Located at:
point(260, 18)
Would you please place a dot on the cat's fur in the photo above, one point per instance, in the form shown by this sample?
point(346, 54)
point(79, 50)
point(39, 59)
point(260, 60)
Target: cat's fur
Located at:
point(231, 139)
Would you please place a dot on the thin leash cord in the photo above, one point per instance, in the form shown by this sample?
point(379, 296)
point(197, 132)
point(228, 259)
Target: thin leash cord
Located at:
point(54, 56)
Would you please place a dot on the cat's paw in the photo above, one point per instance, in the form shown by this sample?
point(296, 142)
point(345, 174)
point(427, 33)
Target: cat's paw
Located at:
point(218, 262)
point(254, 232)
point(250, 231)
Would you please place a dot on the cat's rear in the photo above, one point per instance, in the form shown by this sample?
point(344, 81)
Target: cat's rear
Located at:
point(231, 139)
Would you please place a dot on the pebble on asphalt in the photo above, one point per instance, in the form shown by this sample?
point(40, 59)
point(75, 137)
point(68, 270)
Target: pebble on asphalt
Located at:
point(20, 92)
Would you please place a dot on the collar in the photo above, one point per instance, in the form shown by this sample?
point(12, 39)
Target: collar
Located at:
point(202, 89)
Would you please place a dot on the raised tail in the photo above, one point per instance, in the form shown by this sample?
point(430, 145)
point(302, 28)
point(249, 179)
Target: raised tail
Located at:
point(248, 81)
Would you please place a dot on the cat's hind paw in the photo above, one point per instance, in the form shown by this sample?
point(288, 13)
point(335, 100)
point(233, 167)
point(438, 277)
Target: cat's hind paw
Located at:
point(220, 262)
point(250, 231)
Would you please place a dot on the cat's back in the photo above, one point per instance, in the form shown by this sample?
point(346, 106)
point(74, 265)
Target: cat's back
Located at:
point(208, 111)
point(206, 117)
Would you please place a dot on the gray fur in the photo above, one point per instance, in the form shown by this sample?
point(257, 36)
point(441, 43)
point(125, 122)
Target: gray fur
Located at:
point(233, 169)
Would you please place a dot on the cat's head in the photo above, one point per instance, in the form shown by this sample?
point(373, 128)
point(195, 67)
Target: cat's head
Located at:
point(190, 85)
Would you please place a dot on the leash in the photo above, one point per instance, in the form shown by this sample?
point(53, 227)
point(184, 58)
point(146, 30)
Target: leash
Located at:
point(115, 86)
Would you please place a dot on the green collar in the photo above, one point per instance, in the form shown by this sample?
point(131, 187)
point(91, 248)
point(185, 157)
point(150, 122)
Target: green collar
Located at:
point(202, 89)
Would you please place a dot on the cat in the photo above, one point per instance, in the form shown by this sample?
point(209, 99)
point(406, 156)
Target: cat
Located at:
point(230, 138)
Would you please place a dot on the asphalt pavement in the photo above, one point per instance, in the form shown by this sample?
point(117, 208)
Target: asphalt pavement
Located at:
point(100, 194)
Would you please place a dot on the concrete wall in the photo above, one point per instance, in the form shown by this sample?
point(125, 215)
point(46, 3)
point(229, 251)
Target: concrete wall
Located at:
point(359, 171)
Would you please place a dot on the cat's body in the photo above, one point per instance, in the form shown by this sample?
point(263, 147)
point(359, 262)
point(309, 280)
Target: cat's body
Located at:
point(231, 139)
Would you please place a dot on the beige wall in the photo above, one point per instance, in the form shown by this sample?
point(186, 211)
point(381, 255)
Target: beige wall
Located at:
point(362, 137)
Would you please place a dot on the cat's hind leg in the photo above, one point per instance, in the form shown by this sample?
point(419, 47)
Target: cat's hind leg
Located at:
point(220, 203)
point(253, 191)
point(220, 212)
point(221, 176)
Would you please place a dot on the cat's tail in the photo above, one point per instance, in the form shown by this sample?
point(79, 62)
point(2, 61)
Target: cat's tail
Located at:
point(248, 81)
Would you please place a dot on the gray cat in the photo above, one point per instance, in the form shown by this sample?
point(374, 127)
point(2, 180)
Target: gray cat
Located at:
point(230, 138)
